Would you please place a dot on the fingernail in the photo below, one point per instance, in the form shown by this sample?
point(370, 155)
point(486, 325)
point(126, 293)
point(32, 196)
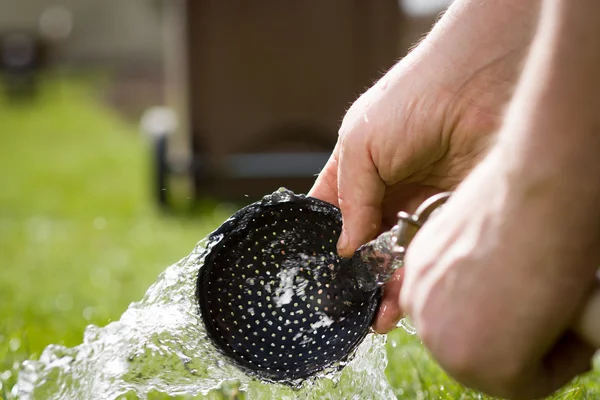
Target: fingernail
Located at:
point(342, 241)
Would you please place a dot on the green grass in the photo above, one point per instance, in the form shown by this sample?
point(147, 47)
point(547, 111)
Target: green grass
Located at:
point(80, 237)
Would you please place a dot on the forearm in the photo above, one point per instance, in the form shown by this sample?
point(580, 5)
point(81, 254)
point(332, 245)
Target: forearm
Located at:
point(474, 35)
point(552, 132)
point(559, 89)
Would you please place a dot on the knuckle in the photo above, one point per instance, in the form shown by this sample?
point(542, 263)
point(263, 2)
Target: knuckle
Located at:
point(353, 126)
point(347, 136)
point(347, 126)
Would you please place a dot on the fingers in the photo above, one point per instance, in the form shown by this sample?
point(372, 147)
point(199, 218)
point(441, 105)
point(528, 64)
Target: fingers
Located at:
point(360, 194)
point(389, 310)
point(325, 186)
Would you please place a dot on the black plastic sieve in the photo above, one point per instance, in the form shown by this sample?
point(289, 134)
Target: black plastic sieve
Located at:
point(275, 297)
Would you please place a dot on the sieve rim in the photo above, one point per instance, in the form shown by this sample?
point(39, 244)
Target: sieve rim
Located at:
point(219, 237)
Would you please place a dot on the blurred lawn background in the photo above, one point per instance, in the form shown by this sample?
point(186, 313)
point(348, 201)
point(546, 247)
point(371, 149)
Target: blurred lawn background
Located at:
point(81, 238)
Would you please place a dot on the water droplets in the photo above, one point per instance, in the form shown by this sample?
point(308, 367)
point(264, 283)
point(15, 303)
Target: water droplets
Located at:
point(165, 328)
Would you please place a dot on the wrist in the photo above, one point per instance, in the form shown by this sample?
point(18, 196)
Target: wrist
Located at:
point(471, 60)
point(556, 186)
point(474, 38)
point(551, 128)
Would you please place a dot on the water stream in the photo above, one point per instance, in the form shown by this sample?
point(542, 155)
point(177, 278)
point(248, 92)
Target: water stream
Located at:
point(159, 345)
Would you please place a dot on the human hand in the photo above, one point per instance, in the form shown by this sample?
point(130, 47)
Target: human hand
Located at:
point(424, 125)
point(497, 281)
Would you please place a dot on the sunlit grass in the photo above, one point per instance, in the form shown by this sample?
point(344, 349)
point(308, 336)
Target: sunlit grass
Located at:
point(80, 237)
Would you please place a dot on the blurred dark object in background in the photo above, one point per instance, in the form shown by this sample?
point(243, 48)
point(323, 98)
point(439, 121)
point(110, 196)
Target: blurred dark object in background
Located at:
point(259, 88)
point(26, 53)
point(249, 95)
point(23, 55)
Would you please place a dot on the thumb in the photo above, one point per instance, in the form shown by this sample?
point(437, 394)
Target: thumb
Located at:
point(360, 194)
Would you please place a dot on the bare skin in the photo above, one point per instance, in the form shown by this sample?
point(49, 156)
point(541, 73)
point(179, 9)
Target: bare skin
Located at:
point(495, 282)
point(425, 124)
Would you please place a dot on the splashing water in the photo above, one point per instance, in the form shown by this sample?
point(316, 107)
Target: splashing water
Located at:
point(160, 345)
